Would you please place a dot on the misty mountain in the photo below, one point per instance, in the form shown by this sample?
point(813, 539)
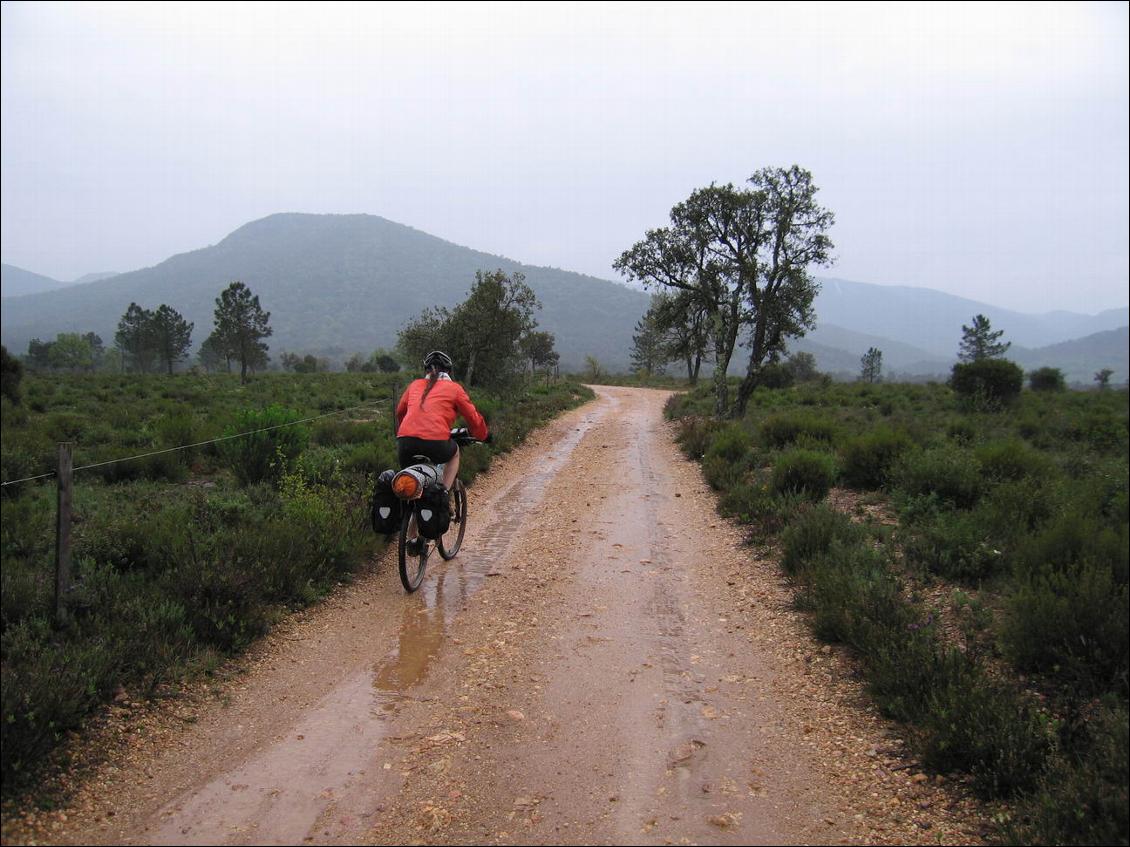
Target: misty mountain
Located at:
point(16, 282)
point(334, 285)
point(1081, 358)
point(838, 351)
point(339, 284)
point(932, 320)
point(94, 277)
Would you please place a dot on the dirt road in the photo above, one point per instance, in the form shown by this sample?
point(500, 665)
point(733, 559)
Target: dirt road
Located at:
point(604, 662)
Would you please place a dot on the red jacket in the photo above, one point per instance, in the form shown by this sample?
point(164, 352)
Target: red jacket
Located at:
point(433, 421)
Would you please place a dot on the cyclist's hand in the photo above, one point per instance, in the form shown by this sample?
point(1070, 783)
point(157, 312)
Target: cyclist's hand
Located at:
point(489, 439)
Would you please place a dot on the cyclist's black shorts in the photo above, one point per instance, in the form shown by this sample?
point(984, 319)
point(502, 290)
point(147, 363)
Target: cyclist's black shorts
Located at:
point(438, 451)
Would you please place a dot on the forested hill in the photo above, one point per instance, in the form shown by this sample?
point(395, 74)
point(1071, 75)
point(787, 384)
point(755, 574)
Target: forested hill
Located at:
point(334, 285)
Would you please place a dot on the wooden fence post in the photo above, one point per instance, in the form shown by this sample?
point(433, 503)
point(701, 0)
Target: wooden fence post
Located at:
point(395, 400)
point(65, 481)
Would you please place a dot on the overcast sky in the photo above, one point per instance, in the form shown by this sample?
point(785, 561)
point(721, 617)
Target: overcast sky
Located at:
point(977, 149)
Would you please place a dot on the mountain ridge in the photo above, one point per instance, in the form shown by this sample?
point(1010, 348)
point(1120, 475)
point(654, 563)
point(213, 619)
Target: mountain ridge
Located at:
point(345, 283)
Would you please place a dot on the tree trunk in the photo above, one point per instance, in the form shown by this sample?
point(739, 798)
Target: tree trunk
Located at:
point(471, 368)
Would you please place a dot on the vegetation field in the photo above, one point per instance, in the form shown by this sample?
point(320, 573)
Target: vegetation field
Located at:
point(184, 557)
point(976, 561)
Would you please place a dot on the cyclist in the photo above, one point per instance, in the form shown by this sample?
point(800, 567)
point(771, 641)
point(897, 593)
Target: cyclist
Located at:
point(424, 417)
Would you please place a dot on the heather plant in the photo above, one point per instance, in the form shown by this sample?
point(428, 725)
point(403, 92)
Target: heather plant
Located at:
point(781, 431)
point(950, 473)
point(866, 460)
point(804, 473)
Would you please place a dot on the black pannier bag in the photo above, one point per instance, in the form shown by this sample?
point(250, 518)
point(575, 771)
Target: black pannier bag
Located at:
point(386, 509)
point(432, 513)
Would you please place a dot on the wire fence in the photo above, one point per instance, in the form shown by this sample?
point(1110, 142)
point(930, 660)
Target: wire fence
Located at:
point(66, 470)
point(49, 474)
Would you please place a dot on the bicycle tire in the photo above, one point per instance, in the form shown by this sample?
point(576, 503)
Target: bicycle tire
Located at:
point(449, 543)
point(411, 567)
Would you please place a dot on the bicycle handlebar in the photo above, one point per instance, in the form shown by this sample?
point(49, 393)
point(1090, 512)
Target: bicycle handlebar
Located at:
point(463, 437)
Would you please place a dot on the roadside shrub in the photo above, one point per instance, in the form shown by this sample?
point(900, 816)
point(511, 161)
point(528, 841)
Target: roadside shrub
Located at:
point(813, 532)
point(696, 435)
point(1082, 796)
point(1071, 622)
point(782, 430)
point(987, 383)
point(731, 443)
point(950, 473)
point(852, 595)
point(1073, 537)
point(867, 459)
point(962, 431)
point(262, 454)
point(805, 473)
point(955, 545)
point(1047, 379)
point(1100, 429)
point(721, 474)
point(1011, 460)
point(334, 432)
point(979, 726)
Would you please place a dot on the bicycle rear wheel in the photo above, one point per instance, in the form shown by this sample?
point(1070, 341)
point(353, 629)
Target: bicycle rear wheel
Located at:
point(449, 543)
point(411, 567)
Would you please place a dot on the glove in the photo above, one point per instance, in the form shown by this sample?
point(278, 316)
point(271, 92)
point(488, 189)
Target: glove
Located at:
point(489, 439)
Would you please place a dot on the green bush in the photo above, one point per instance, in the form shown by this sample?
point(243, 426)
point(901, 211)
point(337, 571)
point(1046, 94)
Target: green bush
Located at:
point(731, 442)
point(987, 383)
point(986, 729)
point(1012, 460)
point(1071, 622)
point(1082, 796)
point(695, 436)
point(813, 532)
point(780, 431)
point(1047, 379)
point(805, 473)
point(866, 460)
point(272, 441)
point(950, 473)
point(956, 545)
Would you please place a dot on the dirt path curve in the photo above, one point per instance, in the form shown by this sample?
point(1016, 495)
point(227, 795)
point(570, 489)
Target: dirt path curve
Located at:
point(602, 663)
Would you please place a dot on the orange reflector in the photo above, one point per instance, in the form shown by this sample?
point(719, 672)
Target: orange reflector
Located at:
point(406, 486)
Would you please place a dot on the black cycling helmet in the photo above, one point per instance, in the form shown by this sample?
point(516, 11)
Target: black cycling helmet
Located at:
point(439, 360)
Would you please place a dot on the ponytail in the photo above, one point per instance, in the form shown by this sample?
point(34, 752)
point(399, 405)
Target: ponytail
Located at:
point(433, 378)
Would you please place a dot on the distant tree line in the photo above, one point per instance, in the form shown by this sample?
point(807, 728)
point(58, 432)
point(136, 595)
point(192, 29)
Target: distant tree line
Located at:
point(148, 341)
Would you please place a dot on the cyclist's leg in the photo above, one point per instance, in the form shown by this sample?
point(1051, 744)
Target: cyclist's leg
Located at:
point(451, 469)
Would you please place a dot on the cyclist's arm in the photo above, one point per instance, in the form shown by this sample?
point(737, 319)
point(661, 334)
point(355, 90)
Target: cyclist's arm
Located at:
point(402, 407)
point(470, 414)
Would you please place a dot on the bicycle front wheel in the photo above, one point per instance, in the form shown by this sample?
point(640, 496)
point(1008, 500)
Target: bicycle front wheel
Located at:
point(449, 543)
point(411, 567)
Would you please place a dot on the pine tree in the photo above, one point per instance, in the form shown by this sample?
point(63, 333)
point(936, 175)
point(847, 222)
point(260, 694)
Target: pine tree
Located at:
point(241, 326)
point(172, 335)
point(871, 365)
point(134, 338)
point(980, 342)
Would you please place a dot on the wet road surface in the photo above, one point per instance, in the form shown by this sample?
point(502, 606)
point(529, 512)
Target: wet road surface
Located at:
point(589, 669)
